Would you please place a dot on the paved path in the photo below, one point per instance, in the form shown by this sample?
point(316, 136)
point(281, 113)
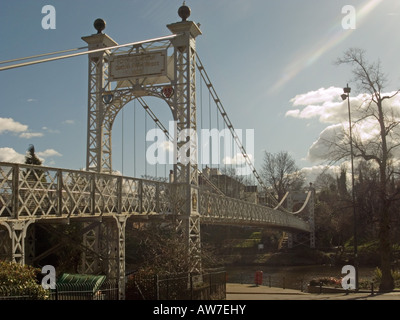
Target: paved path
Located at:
point(250, 292)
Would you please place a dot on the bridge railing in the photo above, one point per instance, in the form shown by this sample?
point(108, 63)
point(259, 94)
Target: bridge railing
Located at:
point(218, 209)
point(28, 191)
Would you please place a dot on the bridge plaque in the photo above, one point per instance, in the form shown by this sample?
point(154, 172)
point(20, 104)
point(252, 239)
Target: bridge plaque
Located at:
point(142, 65)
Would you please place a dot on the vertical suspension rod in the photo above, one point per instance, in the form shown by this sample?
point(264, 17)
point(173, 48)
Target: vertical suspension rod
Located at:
point(167, 134)
point(224, 115)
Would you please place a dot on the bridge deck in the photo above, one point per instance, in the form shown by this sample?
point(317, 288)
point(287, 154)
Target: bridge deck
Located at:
point(37, 192)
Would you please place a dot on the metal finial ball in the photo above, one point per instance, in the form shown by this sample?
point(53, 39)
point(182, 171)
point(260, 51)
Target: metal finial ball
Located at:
point(184, 12)
point(99, 25)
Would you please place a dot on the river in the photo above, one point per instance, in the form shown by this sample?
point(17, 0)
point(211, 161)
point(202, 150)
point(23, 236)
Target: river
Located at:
point(291, 277)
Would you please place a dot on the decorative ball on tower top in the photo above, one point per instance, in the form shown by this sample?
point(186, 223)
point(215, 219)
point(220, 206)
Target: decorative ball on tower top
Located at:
point(99, 25)
point(184, 11)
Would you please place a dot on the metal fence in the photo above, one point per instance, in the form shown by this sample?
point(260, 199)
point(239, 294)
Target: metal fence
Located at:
point(281, 281)
point(83, 291)
point(207, 286)
point(12, 293)
point(66, 291)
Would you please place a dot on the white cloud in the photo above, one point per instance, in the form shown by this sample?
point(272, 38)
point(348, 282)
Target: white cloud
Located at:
point(49, 153)
point(31, 100)
point(8, 124)
point(327, 106)
point(29, 135)
point(50, 130)
point(10, 155)
point(317, 97)
point(69, 122)
point(293, 113)
point(311, 173)
point(237, 159)
point(321, 148)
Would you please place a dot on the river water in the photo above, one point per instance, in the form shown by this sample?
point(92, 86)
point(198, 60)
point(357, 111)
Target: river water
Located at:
point(291, 277)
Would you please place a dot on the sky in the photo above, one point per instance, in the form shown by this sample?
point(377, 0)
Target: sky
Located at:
point(271, 63)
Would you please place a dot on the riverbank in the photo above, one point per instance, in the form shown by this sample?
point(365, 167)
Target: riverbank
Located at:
point(301, 256)
point(293, 269)
point(291, 277)
point(236, 291)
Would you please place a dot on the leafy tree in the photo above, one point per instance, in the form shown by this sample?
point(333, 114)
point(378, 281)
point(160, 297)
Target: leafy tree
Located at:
point(31, 157)
point(17, 280)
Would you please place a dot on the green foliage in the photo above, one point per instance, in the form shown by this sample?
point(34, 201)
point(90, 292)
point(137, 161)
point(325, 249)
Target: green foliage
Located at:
point(378, 275)
point(364, 284)
point(248, 243)
point(17, 280)
point(31, 157)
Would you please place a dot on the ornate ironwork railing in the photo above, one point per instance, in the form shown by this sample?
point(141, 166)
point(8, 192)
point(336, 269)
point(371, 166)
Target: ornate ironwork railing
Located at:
point(216, 209)
point(28, 191)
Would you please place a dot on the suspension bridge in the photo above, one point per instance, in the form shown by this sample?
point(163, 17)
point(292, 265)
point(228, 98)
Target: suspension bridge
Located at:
point(166, 68)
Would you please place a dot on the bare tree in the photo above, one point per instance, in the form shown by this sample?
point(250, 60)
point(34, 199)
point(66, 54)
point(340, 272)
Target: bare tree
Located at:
point(281, 173)
point(379, 148)
point(325, 181)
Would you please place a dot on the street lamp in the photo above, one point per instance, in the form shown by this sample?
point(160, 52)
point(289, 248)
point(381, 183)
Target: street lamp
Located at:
point(346, 95)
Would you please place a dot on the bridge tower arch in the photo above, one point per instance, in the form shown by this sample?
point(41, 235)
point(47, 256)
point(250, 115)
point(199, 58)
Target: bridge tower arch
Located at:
point(164, 67)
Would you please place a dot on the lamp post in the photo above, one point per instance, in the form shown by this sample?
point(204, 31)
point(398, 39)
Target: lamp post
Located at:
point(346, 95)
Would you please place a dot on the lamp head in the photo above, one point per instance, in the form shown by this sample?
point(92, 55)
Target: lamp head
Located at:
point(344, 96)
point(347, 89)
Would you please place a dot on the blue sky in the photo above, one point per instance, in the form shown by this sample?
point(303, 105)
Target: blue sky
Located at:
point(269, 61)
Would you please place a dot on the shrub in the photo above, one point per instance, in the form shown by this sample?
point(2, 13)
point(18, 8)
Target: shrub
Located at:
point(395, 275)
point(17, 281)
point(331, 282)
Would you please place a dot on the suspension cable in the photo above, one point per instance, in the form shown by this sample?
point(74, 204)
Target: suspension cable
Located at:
point(201, 118)
point(224, 115)
point(145, 145)
point(227, 121)
point(42, 55)
point(156, 165)
point(122, 140)
point(134, 138)
point(85, 52)
point(167, 134)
